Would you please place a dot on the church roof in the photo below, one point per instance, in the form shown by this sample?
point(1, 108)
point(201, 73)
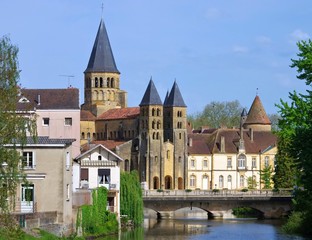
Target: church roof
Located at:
point(175, 98)
point(102, 58)
point(151, 96)
point(86, 115)
point(257, 114)
point(120, 113)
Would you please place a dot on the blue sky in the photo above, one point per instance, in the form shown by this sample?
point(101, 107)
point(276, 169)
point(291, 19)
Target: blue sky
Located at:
point(216, 50)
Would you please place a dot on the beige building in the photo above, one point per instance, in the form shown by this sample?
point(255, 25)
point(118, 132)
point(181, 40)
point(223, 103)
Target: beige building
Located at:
point(47, 164)
point(232, 158)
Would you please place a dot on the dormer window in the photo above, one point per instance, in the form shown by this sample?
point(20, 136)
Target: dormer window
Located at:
point(68, 121)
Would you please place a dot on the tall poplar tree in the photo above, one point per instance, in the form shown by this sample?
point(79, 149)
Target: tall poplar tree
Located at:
point(14, 127)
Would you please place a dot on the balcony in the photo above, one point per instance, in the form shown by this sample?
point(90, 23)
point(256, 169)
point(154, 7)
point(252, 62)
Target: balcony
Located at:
point(242, 168)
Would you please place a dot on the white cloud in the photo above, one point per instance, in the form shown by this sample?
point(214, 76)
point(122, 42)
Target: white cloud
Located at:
point(240, 49)
point(298, 35)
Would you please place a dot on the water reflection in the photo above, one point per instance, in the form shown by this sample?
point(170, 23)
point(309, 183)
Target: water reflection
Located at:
point(199, 229)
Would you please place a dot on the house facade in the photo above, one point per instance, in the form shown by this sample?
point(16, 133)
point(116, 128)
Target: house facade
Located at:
point(233, 158)
point(100, 167)
point(47, 165)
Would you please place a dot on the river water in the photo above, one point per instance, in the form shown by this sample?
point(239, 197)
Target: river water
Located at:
point(198, 227)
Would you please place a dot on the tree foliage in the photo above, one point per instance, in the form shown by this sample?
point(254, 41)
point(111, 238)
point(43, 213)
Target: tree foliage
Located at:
point(14, 128)
point(131, 201)
point(294, 157)
point(218, 114)
point(266, 177)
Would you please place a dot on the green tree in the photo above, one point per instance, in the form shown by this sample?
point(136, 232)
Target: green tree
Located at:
point(14, 128)
point(295, 140)
point(218, 114)
point(252, 182)
point(266, 177)
point(131, 201)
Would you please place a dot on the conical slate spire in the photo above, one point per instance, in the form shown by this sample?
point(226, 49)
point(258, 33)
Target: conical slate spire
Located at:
point(175, 98)
point(102, 58)
point(257, 114)
point(166, 98)
point(151, 96)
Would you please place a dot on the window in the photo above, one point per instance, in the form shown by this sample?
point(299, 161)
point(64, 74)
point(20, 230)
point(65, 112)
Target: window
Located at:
point(84, 174)
point(241, 181)
point(220, 181)
point(266, 161)
point(229, 179)
point(254, 162)
point(205, 163)
point(45, 121)
point(229, 162)
point(68, 121)
point(241, 161)
point(67, 161)
point(103, 176)
point(192, 181)
point(99, 157)
point(28, 160)
point(192, 163)
point(82, 135)
point(68, 192)
point(156, 159)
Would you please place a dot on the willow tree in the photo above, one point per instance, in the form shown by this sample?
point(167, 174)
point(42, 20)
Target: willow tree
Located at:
point(14, 126)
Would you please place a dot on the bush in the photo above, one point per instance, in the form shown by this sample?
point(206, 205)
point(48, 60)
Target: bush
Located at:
point(160, 190)
point(294, 223)
point(188, 190)
point(215, 190)
point(244, 190)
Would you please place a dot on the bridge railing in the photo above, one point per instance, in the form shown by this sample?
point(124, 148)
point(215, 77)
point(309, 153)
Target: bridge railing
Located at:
point(212, 193)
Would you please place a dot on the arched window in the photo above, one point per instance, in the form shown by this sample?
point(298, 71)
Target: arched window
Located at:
point(229, 179)
point(158, 125)
point(241, 181)
point(101, 82)
point(153, 125)
point(88, 135)
point(220, 181)
point(158, 112)
point(241, 161)
point(156, 183)
point(113, 83)
point(153, 112)
point(157, 135)
point(96, 82)
point(108, 82)
point(83, 135)
point(192, 181)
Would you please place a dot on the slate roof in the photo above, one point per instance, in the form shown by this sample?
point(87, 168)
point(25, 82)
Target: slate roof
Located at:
point(102, 58)
point(199, 144)
point(86, 115)
point(67, 98)
point(261, 140)
point(45, 140)
point(175, 98)
point(257, 114)
point(120, 113)
point(151, 96)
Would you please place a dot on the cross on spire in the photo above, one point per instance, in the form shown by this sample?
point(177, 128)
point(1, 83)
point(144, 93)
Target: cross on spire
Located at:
point(102, 9)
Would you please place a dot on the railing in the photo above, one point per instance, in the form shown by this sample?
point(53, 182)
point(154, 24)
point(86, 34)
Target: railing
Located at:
point(217, 193)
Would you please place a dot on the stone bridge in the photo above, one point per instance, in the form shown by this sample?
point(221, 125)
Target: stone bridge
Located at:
point(270, 204)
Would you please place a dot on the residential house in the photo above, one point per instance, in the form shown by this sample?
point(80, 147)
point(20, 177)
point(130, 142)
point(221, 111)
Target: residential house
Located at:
point(100, 167)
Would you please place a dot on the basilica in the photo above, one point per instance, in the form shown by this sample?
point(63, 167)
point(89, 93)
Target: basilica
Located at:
point(155, 139)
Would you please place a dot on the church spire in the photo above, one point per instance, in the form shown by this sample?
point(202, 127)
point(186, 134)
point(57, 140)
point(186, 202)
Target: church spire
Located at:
point(102, 58)
point(175, 98)
point(151, 96)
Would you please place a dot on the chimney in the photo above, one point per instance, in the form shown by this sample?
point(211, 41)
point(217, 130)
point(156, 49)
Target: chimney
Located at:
point(222, 147)
point(251, 134)
point(38, 99)
point(190, 142)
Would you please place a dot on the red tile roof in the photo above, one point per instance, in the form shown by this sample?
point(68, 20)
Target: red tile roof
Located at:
point(120, 113)
point(86, 115)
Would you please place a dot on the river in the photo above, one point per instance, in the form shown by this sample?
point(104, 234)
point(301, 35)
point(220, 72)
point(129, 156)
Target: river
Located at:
point(198, 228)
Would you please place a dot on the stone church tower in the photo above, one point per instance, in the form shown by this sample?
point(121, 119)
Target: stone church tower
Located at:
point(101, 78)
point(163, 139)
